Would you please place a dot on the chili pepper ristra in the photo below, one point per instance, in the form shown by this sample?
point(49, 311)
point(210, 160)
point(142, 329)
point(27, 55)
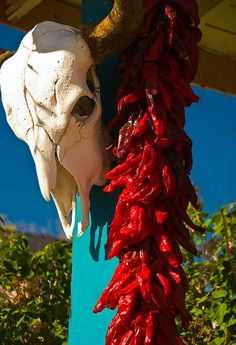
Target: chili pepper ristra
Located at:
point(154, 161)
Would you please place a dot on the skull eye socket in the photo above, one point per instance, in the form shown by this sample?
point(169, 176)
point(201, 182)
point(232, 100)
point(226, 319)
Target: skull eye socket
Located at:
point(91, 85)
point(83, 108)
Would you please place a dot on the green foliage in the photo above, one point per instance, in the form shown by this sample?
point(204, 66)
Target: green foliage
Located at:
point(212, 277)
point(35, 288)
point(34, 292)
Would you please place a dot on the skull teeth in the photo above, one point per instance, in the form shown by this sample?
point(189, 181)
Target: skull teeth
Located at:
point(43, 152)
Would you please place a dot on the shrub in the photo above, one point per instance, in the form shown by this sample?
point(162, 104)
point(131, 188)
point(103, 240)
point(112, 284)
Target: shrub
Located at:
point(34, 291)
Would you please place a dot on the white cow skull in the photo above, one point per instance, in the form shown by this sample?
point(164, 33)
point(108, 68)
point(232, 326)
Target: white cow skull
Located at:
point(50, 106)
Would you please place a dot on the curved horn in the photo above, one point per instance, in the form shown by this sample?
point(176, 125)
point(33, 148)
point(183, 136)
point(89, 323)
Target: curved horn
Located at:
point(4, 55)
point(116, 31)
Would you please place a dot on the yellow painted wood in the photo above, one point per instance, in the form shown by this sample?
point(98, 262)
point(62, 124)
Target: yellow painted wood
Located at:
point(73, 2)
point(12, 6)
point(47, 10)
point(219, 29)
point(218, 25)
point(206, 5)
point(2, 9)
point(216, 72)
point(217, 66)
point(20, 9)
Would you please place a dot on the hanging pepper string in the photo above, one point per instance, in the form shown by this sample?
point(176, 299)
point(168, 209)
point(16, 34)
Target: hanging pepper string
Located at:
point(154, 153)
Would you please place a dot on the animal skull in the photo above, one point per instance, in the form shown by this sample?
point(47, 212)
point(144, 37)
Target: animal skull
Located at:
point(49, 105)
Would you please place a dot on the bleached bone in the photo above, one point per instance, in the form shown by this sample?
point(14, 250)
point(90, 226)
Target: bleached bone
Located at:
point(50, 106)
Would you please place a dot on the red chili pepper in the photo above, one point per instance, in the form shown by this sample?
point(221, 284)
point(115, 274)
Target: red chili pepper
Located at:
point(125, 138)
point(177, 226)
point(137, 217)
point(178, 300)
point(146, 194)
point(149, 76)
point(167, 173)
point(158, 264)
point(139, 334)
point(164, 304)
point(150, 219)
point(119, 182)
point(166, 247)
point(164, 143)
point(155, 47)
point(126, 308)
point(117, 246)
point(128, 235)
point(186, 244)
point(186, 90)
point(144, 279)
point(131, 162)
point(146, 155)
point(147, 24)
point(182, 213)
point(149, 5)
point(179, 341)
point(162, 212)
point(115, 331)
point(158, 115)
point(190, 7)
point(170, 69)
point(134, 96)
point(147, 165)
point(108, 298)
point(165, 282)
point(141, 126)
point(165, 96)
point(130, 288)
point(120, 213)
point(178, 276)
point(125, 340)
point(150, 327)
point(188, 159)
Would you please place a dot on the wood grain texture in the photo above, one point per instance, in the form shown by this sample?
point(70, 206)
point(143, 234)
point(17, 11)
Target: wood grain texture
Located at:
point(216, 72)
point(2, 9)
point(4, 55)
point(49, 10)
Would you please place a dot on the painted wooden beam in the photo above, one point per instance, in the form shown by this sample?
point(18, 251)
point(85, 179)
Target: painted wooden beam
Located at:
point(2, 9)
point(26, 18)
point(14, 12)
point(216, 72)
point(206, 5)
point(90, 270)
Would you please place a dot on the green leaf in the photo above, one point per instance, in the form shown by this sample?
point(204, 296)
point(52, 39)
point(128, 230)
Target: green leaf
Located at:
point(11, 266)
point(20, 320)
point(203, 299)
point(220, 312)
point(219, 294)
point(217, 341)
point(232, 321)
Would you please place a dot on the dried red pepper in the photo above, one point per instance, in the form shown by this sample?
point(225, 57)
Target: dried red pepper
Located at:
point(155, 160)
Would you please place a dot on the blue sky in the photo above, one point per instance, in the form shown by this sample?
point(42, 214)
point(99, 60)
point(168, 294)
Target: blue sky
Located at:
point(211, 124)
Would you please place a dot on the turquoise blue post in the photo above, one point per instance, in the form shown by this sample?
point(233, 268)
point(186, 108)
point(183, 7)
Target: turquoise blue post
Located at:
point(90, 271)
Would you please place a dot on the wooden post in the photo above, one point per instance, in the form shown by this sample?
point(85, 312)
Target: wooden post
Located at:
point(90, 271)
